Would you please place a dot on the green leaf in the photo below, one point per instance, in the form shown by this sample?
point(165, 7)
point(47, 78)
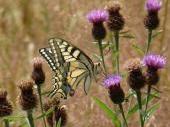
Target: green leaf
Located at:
point(46, 113)
point(155, 95)
point(45, 92)
point(157, 33)
point(13, 118)
point(138, 49)
point(134, 109)
point(151, 111)
point(58, 123)
point(97, 57)
point(129, 36)
point(108, 112)
point(24, 123)
point(124, 32)
point(131, 93)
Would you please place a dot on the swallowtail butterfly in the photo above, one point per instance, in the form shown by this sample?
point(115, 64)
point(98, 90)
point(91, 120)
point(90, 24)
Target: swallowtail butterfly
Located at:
point(70, 66)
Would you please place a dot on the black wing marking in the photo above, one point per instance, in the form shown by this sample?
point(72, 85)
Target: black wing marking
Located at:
point(59, 86)
point(47, 54)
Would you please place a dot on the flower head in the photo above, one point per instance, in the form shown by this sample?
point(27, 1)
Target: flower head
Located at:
point(116, 20)
point(133, 64)
point(116, 94)
point(38, 74)
point(97, 16)
point(135, 78)
point(6, 108)
point(27, 99)
point(154, 61)
point(153, 5)
point(112, 80)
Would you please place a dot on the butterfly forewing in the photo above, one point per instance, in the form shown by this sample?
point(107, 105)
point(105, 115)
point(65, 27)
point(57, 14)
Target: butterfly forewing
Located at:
point(56, 52)
point(47, 54)
point(68, 51)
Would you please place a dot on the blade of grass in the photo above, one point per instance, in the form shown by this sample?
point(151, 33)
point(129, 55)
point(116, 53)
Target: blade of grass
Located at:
point(108, 112)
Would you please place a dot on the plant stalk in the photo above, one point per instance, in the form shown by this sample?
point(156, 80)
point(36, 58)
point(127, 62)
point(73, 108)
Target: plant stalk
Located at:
point(147, 98)
point(6, 123)
point(138, 93)
point(102, 55)
point(30, 118)
point(123, 115)
point(41, 104)
point(116, 36)
point(149, 41)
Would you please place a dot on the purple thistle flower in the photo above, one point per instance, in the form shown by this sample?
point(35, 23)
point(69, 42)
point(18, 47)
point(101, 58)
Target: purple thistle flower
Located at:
point(112, 83)
point(112, 80)
point(153, 5)
point(154, 61)
point(97, 16)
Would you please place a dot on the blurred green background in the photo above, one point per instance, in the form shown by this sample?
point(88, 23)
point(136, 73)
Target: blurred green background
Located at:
point(26, 25)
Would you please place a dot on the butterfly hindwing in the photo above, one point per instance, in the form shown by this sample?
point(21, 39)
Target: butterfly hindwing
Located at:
point(87, 82)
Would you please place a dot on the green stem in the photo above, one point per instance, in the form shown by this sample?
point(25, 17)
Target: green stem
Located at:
point(149, 41)
point(6, 122)
point(147, 98)
point(123, 115)
point(30, 118)
point(138, 93)
point(102, 55)
point(116, 36)
point(41, 104)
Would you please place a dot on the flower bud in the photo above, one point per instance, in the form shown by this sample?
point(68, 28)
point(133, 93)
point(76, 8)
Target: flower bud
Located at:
point(151, 21)
point(38, 74)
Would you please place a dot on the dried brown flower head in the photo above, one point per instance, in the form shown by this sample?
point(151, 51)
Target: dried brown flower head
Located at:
point(116, 21)
point(5, 105)
point(27, 99)
point(133, 65)
point(136, 79)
